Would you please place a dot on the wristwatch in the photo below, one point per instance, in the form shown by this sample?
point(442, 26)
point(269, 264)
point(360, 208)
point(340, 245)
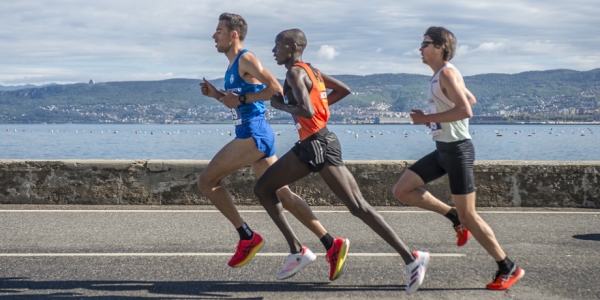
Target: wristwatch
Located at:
point(242, 99)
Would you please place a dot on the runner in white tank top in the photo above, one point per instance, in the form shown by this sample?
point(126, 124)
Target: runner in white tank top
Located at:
point(450, 109)
point(438, 103)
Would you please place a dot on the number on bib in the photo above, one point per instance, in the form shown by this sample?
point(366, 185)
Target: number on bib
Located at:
point(436, 128)
point(236, 116)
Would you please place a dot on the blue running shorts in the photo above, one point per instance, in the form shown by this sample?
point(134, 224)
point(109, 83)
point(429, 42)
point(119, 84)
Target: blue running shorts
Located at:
point(260, 130)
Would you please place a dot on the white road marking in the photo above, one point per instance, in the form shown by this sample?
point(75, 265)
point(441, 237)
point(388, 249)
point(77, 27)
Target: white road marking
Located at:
point(201, 254)
point(262, 211)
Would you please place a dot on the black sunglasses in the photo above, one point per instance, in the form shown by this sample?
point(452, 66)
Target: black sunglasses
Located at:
point(425, 44)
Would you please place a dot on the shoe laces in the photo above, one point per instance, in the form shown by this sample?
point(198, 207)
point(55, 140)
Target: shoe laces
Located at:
point(409, 267)
point(292, 257)
point(244, 250)
point(291, 261)
point(460, 228)
point(501, 278)
point(332, 259)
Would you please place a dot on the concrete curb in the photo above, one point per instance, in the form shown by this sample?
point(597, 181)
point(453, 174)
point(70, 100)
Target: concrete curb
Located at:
point(173, 182)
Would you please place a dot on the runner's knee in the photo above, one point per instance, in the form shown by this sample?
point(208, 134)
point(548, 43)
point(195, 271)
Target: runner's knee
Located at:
point(206, 184)
point(287, 198)
point(468, 218)
point(360, 209)
point(263, 192)
point(289, 204)
point(402, 194)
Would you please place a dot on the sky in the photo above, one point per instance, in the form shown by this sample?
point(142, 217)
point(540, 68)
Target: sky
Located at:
point(69, 41)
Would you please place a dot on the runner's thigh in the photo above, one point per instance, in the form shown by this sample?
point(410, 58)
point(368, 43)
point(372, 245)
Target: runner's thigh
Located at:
point(235, 155)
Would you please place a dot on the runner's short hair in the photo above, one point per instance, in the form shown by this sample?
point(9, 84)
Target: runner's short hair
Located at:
point(443, 37)
point(294, 35)
point(235, 22)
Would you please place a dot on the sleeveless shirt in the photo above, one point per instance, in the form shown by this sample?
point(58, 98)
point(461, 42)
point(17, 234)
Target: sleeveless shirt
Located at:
point(236, 84)
point(438, 103)
point(318, 97)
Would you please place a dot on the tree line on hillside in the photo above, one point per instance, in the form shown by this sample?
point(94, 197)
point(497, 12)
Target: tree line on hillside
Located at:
point(60, 103)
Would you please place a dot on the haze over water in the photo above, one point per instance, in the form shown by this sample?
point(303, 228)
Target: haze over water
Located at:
point(374, 142)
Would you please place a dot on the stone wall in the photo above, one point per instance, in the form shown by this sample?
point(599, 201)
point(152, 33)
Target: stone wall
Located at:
point(173, 182)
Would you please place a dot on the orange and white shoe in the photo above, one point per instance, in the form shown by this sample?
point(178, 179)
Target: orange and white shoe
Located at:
point(462, 235)
point(503, 282)
point(246, 249)
point(336, 256)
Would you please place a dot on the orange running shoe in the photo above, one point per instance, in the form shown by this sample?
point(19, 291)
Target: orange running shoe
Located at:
point(246, 249)
point(336, 256)
point(503, 282)
point(462, 235)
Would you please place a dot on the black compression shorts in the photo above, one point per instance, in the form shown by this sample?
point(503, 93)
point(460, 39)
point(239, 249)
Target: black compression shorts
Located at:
point(455, 159)
point(318, 148)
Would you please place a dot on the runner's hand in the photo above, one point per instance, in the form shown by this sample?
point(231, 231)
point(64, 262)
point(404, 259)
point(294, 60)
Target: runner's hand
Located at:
point(230, 99)
point(277, 101)
point(209, 90)
point(418, 116)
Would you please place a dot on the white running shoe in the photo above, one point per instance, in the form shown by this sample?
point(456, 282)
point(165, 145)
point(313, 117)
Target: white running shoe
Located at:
point(296, 262)
point(415, 271)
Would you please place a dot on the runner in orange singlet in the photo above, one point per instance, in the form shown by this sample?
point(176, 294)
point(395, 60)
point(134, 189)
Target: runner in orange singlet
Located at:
point(319, 151)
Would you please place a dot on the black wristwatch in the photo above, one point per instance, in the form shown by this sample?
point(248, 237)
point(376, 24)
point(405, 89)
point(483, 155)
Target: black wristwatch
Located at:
point(242, 99)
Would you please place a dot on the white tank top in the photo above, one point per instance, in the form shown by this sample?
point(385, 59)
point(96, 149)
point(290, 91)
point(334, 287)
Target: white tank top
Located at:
point(438, 103)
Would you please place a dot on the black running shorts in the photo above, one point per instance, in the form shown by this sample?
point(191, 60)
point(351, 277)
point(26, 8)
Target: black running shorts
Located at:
point(455, 159)
point(318, 148)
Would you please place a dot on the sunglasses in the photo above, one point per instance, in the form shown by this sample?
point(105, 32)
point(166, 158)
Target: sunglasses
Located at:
point(425, 44)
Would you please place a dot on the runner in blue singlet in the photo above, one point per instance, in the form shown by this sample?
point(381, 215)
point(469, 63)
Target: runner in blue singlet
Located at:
point(247, 85)
point(249, 118)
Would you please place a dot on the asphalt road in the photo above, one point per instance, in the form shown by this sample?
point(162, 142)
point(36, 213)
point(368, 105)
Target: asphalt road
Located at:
point(135, 252)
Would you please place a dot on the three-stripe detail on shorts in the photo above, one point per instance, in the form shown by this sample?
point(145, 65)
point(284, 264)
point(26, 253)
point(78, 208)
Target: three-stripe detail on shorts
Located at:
point(319, 152)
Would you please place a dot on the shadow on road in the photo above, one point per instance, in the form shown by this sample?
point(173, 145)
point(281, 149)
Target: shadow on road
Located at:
point(23, 288)
point(588, 237)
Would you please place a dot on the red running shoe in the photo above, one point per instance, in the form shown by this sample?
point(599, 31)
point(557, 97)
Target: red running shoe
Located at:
point(503, 282)
point(336, 256)
point(462, 235)
point(246, 249)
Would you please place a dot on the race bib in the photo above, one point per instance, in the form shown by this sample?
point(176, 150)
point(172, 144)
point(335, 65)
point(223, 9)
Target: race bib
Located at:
point(296, 123)
point(436, 128)
point(236, 116)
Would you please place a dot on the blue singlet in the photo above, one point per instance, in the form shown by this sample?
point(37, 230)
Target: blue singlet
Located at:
point(249, 118)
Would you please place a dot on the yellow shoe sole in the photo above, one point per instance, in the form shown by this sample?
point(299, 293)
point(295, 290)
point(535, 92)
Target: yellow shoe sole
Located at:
point(250, 256)
point(341, 260)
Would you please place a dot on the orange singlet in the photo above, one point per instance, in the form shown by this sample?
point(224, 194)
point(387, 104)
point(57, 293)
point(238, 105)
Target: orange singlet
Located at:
point(318, 98)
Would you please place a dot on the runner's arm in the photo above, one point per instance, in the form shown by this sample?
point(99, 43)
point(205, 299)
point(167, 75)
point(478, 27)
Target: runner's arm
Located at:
point(339, 89)
point(298, 80)
point(249, 64)
point(456, 94)
point(470, 97)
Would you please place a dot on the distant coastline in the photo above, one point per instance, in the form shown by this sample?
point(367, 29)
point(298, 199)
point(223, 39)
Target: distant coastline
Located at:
point(330, 123)
point(552, 96)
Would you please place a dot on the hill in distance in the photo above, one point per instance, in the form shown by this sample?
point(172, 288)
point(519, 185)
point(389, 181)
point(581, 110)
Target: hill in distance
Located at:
point(401, 91)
